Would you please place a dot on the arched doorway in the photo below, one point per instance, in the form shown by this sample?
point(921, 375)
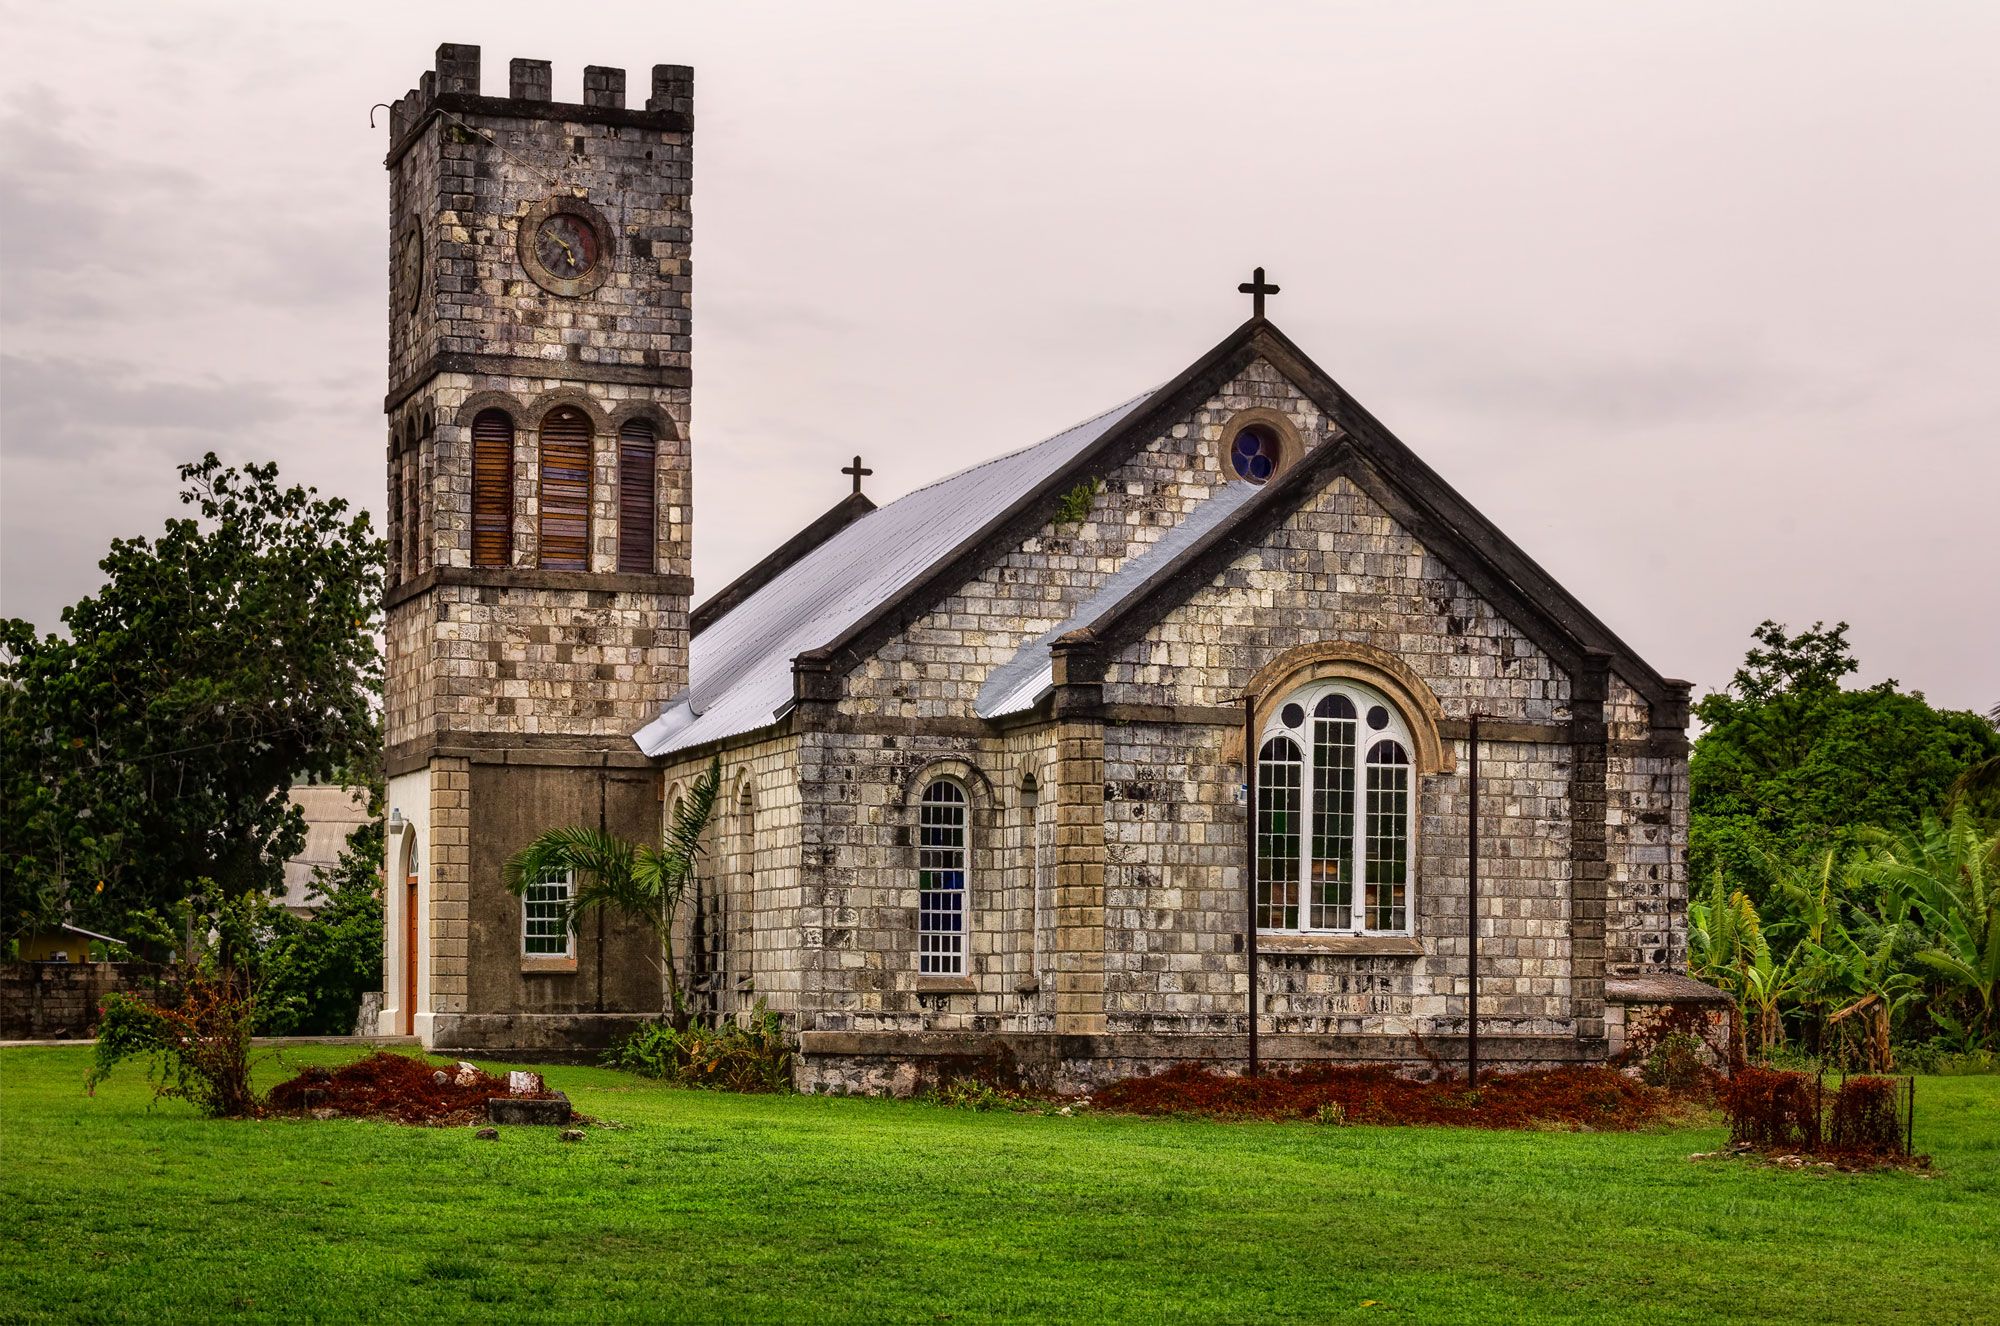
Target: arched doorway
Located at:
point(410, 931)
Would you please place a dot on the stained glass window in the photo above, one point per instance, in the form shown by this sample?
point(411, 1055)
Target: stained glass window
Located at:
point(1255, 453)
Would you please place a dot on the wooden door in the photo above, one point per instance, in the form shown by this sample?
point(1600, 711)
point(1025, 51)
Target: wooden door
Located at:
point(410, 950)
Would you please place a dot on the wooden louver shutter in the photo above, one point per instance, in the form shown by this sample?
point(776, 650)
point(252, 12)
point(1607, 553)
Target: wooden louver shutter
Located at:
point(565, 533)
point(492, 489)
point(636, 449)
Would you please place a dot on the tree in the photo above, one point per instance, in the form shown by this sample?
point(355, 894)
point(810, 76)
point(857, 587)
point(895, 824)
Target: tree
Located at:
point(1789, 764)
point(642, 882)
point(316, 968)
point(157, 742)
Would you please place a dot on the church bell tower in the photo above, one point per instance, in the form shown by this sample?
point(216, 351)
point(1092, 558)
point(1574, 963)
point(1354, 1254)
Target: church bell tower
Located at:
point(539, 531)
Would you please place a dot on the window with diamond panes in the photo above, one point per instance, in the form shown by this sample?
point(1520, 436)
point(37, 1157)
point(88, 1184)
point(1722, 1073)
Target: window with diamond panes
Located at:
point(1334, 807)
point(942, 854)
point(545, 929)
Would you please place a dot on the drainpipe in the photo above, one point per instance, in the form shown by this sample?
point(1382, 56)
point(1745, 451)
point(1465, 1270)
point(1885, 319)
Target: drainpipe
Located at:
point(1472, 919)
point(1250, 861)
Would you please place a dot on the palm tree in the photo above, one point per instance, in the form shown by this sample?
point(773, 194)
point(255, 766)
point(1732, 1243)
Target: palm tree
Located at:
point(643, 882)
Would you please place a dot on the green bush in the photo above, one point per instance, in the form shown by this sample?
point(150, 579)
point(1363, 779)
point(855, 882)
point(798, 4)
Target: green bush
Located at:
point(750, 1056)
point(1675, 1063)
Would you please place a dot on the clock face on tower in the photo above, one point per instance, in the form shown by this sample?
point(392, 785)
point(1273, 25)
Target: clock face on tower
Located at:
point(565, 246)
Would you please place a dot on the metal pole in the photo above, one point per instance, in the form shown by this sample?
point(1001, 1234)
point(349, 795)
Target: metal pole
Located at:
point(1910, 1121)
point(1250, 859)
point(1472, 920)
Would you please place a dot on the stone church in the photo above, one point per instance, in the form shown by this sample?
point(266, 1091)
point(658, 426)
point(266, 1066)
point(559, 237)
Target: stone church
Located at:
point(1157, 740)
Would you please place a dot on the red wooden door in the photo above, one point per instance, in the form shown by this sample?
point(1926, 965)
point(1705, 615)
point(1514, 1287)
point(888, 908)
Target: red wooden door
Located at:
point(410, 954)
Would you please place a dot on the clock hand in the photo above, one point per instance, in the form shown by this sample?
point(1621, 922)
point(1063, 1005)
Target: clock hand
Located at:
point(568, 257)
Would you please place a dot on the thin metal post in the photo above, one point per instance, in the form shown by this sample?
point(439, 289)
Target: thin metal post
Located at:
point(1472, 920)
point(1250, 859)
point(1910, 1120)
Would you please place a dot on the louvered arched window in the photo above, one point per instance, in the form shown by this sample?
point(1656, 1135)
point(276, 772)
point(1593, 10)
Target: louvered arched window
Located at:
point(942, 857)
point(637, 447)
point(565, 484)
point(1334, 806)
point(492, 489)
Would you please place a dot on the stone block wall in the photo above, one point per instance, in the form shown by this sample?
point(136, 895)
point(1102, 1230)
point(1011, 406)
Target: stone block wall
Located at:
point(1343, 569)
point(754, 870)
point(59, 1000)
point(532, 662)
point(935, 667)
point(1646, 831)
point(470, 176)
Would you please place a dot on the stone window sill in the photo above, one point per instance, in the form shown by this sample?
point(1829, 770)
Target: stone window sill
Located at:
point(1360, 946)
point(547, 966)
point(945, 985)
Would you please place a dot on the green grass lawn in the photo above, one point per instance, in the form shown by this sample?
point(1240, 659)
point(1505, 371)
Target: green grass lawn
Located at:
point(709, 1206)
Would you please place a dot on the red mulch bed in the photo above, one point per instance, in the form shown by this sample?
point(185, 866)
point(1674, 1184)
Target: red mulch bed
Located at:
point(1560, 1097)
point(390, 1086)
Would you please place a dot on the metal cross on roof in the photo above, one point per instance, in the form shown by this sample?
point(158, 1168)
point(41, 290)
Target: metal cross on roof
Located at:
point(1257, 289)
point(858, 471)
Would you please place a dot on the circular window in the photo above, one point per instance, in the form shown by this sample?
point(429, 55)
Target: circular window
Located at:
point(1255, 453)
point(1292, 715)
point(1378, 718)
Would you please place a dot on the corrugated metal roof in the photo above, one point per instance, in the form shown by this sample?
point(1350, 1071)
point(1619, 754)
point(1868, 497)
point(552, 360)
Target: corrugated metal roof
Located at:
point(1023, 679)
point(740, 668)
point(332, 812)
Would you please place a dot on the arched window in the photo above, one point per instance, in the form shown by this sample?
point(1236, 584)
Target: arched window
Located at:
point(1323, 823)
point(942, 855)
point(637, 446)
point(397, 518)
point(492, 489)
point(565, 522)
point(412, 501)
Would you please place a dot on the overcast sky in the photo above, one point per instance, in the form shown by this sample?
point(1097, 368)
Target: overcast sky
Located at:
point(1699, 302)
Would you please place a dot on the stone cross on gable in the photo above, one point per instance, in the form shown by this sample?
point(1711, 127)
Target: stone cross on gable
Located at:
point(1256, 288)
point(858, 471)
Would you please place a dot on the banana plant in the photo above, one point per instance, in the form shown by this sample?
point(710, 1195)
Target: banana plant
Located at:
point(1950, 870)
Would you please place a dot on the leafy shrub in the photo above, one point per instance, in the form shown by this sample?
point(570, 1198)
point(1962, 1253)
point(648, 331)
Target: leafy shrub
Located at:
point(1772, 1110)
point(1074, 508)
point(196, 1038)
point(1942, 1057)
point(752, 1056)
point(969, 1093)
point(1676, 1064)
point(1866, 1119)
point(313, 970)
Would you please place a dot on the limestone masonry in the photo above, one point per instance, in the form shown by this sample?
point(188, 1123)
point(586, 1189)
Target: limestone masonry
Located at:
point(988, 751)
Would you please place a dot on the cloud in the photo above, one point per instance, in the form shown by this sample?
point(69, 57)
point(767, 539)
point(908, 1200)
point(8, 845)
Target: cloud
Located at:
point(81, 410)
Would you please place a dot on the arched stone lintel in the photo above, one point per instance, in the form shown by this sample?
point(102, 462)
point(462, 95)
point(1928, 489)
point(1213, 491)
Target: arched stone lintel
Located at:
point(550, 401)
point(969, 775)
point(1371, 667)
point(479, 402)
point(652, 412)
